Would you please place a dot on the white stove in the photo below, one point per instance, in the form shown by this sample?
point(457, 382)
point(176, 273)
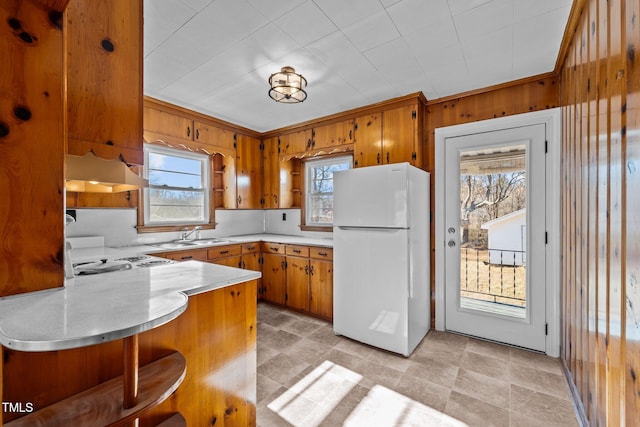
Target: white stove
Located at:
point(106, 265)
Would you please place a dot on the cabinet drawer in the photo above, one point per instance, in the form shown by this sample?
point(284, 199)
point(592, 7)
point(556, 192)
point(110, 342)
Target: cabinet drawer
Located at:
point(273, 248)
point(296, 250)
point(320, 253)
point(223, 251)
point(198, 255)
point(249, 248)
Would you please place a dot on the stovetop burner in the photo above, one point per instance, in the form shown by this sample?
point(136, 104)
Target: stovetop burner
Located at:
point(154, 262)
point(134, 258)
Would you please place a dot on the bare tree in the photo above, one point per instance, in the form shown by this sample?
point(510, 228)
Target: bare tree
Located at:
point(489, 192)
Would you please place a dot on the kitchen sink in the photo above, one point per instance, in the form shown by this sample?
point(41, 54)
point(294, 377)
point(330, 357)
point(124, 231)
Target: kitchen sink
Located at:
point(174, 245)
point(208, 241)
point(181, 244)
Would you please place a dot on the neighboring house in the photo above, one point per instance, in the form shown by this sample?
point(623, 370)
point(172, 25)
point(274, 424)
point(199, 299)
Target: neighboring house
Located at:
point(508, 238)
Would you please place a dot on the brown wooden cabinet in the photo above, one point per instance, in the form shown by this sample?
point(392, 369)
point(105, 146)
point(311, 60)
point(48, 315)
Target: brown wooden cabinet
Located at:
point(297, 269)
point(400, 141)
point(333, 134)
point(271, 173)
point(392, 136)
point(186, 255)
point(159, 121)
point(213, 136)
point(273, 272)
point(248, 173)
point(321, 282)
point(225, 255)
point(103, 67)
point(368, 140)
point(296, 143)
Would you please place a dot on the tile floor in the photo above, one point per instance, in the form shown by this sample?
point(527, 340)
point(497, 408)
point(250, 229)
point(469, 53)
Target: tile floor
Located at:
point(307, 376)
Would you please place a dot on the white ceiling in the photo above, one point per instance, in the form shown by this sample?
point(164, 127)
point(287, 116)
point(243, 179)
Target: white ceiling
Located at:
point(215, 56)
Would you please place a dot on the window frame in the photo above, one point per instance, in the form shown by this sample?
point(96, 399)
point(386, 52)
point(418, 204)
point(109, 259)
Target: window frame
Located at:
point(306, 223)
point(205, 164)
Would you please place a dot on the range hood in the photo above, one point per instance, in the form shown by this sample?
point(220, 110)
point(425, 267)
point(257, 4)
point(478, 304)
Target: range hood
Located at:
point(89, 173)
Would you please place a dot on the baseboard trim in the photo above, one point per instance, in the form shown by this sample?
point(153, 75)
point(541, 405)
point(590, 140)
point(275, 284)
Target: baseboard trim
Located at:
point(578, 406)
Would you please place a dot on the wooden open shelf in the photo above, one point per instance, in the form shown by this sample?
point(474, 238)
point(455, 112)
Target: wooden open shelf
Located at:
point(103, 404)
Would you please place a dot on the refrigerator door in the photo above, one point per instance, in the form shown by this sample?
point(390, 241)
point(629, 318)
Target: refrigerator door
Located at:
point(374, 196)
point(371, 282)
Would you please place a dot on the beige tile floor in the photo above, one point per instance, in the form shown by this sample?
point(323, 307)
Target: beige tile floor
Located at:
point(308, 376)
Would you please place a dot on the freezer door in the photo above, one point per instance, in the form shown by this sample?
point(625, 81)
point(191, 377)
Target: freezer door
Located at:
point(374, 196)
point(371, 282)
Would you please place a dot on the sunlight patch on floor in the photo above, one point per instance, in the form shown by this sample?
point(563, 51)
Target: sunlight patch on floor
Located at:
point(312, 399)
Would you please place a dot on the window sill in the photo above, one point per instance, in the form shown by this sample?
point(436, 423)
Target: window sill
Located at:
point(325, 228)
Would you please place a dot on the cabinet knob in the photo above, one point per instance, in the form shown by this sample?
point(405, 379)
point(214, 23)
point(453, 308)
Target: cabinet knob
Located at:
point(188, 130)
point(388, 161)
point(239, 200)
point(378, 158)
point(197, 133)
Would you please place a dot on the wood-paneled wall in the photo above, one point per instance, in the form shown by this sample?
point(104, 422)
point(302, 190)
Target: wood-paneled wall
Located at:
point(600, 99)
point(31, 148)
point(531, 94)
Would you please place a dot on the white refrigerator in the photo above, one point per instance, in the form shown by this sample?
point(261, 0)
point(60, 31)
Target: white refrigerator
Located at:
point(381, 293)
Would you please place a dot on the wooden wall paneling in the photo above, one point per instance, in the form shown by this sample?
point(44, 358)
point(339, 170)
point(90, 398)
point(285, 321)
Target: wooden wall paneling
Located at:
point(600, 201)
point(591, 209)
point(103, 72)
point(617, 88)
point(602, 236)
point(632, 218)
point(31, 149)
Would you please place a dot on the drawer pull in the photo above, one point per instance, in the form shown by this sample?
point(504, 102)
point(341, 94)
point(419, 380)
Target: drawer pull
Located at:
point(297, 251)
point(250, 248)
point(224, 252)
point(273, 248)
point(187, 257)
point(323, 253)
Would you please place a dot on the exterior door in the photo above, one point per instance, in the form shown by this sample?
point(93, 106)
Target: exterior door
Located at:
point(495, 235)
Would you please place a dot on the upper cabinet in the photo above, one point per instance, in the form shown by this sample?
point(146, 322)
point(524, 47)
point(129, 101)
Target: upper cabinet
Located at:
point(103, 66)
point(400, 135)
point(391, 136)
point(296, 142)
point(248, 173)
point(214, 136)
point(333, 134)
point(368, 140)
point(157, 121)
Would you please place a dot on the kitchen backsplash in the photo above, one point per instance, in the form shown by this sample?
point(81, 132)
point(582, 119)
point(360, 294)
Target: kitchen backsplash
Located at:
point(117, 226)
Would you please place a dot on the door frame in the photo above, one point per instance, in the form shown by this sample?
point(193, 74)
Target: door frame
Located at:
point(551, 119)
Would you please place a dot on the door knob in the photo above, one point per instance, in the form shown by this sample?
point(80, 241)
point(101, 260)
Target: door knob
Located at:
point(451, 230)
point(451, 243)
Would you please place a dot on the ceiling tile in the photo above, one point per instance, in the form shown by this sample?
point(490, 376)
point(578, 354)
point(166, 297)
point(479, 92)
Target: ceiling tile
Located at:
point(273, 9)
point(411, 16)
point(372, 31)
point(459, 6)
point(163, 18)
point(484, 19)
point(306, 23)
point(270, 42)
point(524, 10)
point(344, 16)
point(193, 4)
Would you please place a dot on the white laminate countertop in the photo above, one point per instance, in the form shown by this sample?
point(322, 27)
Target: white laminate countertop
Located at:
point(99, 308)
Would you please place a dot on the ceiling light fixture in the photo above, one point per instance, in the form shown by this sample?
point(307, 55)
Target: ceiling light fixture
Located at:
point(287, 86)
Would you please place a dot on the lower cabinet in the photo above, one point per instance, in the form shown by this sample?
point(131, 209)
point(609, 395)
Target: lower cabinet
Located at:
point(273, 273)
point(299, 277)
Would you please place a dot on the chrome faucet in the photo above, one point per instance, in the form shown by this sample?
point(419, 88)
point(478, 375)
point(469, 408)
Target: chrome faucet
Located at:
point(186, 233)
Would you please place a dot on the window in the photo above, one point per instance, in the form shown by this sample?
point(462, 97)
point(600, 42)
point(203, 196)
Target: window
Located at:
point(319, 189)
point(178, 190)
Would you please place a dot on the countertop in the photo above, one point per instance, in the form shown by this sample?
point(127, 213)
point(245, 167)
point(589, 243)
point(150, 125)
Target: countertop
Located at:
point(100, 308)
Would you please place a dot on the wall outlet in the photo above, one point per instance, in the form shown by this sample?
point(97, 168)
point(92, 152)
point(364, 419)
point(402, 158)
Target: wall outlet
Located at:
point(284, 216)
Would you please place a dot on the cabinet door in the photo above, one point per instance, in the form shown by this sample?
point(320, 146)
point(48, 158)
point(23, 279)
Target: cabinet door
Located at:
point(321, 288)
point(212, 135)
point(103, 64)
point(368, 140)
point(166, 123)
point(230, 261)
point(399, 134)
point(298, 283)
point(271, 173)
point(296, 142)
point(248, 172)
point(273, 278)
point(333, 134)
